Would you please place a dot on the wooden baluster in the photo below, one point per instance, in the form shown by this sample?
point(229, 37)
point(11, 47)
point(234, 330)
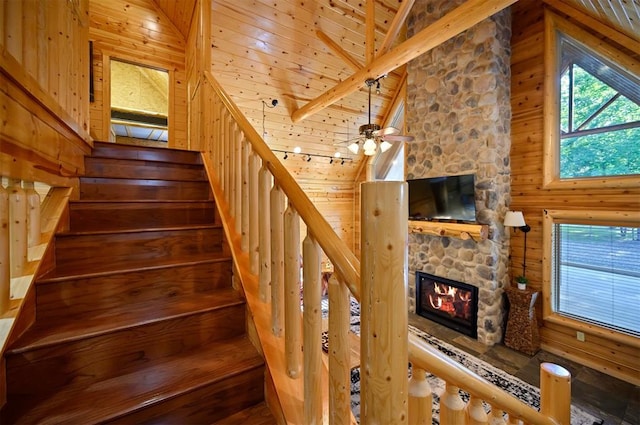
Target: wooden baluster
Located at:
point(292, 288)
point(218, 137)
point(264, 227)
point(474, 412)
point(312, 343)
point(33, 214)
point(213, 137)
point(555, 392)
point(223, 151)
point(277, 259)
point(17, 227)
point(451, 406)
point(232, 169)
point(339, 352)
point(254, 213)
point(497, 416)
point(384, 334)
point(5, 272)
point(512, 420)
point(246, 152)
point(227, 159)
point(420, 398)
point(237, 179)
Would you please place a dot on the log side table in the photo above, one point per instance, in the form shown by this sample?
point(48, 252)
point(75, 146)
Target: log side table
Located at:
point(522, 325)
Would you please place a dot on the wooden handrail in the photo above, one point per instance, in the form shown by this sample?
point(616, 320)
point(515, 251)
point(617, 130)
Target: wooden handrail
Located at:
point(341, 256)
point(428, 358)
point(285, 254)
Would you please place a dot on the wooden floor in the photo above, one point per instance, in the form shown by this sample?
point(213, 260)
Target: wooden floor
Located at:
point(615, 401)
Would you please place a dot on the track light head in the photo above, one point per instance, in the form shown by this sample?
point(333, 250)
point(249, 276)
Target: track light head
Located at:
point(286, 155)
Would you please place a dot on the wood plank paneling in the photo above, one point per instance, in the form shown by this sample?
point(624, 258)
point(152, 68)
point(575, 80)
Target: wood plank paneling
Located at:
point(45, 93)
point(137, 31)
point(529, 196)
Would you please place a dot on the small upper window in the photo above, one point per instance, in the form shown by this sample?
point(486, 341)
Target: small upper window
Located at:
point(599, 116)
point(592, 111)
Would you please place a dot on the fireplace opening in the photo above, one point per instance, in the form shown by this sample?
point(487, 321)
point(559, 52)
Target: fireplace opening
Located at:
point(448, 302)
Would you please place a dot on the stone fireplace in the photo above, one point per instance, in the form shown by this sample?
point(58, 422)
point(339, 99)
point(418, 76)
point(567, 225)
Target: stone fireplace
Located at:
point(458, 110)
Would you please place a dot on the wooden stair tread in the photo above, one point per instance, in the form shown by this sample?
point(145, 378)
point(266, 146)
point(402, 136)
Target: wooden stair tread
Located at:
point(54, 277)
point(74, 272)
point(258, 414)
point(139, 229)
point(72, 328)
point(116, 397)
point(146, 153)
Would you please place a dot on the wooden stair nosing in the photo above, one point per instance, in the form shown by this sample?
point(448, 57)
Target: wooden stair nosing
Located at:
point(126, 168)
point(185, 261)
point(59, 273)
point(146, 153)
point(140, 388)
point(140, 230)
point(70, 332)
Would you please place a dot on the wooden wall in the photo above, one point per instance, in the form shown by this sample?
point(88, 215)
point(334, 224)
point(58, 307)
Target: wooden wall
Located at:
point(44, 90)
point(137, 31)
point(528, 195)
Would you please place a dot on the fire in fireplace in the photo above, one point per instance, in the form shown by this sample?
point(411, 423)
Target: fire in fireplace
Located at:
point(448, 302)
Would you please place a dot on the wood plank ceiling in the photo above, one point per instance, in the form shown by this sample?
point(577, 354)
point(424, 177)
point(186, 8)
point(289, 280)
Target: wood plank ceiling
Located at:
point(265, 50)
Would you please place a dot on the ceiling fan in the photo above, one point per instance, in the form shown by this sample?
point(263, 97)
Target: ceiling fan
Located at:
point(372, 135)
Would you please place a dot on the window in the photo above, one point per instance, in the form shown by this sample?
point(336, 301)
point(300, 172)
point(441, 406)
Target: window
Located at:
point(592, 127)
point(594, 272)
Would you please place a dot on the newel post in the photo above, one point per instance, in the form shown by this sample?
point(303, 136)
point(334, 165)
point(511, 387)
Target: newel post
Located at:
point(383, 283)
point(555, 392)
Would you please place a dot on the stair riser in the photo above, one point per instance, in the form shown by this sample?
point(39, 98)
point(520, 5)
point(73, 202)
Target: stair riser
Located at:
point(70, 297)
point(104, 216)
point(82, 251)
point(111, 150)
point(122, 168)
point(103, 356)
point(128, 189)
point(204, 405)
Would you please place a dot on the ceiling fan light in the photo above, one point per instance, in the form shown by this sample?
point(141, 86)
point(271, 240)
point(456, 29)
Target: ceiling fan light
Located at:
point(353, 148)
point(370, 152)
point(384, 146)
point(369, 145)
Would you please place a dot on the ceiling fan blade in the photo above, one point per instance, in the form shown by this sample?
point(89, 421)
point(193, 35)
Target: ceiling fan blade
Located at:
point(387, 131)
point(397, 138)
point(344, 142)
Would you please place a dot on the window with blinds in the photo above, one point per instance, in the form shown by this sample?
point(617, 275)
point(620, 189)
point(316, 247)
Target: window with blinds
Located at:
point(596, 275)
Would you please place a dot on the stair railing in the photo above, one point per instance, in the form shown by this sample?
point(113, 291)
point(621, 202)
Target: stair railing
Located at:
point(262, 209)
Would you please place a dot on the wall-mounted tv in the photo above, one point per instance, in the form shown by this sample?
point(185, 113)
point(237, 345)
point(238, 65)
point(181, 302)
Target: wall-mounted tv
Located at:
point(450, 198)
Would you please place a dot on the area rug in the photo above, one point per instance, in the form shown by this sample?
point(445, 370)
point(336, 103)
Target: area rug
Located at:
point(529, 394)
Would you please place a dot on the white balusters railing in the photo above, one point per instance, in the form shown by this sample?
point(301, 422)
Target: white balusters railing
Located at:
point(255, 187)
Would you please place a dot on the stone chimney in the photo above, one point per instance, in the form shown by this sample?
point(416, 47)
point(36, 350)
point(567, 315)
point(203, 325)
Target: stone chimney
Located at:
point(459, 111)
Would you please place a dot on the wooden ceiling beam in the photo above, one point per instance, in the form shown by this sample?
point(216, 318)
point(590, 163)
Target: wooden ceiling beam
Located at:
point(396, 25)
point(350, 60)
point(370, 32)
point(453, 23)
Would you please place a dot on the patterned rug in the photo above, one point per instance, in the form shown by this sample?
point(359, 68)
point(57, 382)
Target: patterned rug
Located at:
point(515, 386)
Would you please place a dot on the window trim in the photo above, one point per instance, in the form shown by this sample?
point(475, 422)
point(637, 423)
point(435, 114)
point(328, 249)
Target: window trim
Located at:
point(601, 218)
point(551, 138)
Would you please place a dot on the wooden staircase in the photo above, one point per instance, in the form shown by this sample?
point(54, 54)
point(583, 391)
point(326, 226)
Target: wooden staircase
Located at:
point(138, 322)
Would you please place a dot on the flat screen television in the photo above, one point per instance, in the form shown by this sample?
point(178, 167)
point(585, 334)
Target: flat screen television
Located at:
point(450, 198)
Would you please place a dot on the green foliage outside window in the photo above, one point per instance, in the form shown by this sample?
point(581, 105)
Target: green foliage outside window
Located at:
point(600, 127)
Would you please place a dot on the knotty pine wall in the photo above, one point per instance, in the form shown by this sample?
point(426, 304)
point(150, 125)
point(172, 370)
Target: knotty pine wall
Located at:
point(44, 90)
point(528, 195)
point(136, 31)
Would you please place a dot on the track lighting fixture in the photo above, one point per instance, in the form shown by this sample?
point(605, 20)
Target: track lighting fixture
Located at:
point(333, 159)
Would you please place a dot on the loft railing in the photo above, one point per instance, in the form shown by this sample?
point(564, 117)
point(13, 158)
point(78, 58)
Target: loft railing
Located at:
point(262, 206)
